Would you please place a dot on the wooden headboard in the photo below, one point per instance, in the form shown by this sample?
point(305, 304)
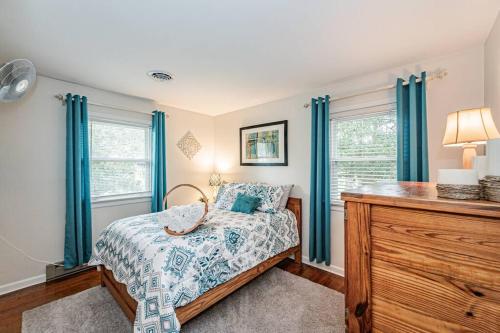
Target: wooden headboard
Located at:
point(295, 205)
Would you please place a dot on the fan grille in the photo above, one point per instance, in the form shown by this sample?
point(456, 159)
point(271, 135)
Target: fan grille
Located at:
point(16, 78)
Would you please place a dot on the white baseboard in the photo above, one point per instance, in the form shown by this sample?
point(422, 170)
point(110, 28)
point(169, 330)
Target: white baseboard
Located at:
point(332, 268)
point(13, 286)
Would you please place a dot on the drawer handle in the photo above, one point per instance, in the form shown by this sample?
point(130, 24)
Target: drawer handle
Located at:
point(477, 293)
point(360, 309)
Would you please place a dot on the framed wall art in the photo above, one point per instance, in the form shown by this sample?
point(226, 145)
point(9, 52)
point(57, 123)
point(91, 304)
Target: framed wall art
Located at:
point(264, 144)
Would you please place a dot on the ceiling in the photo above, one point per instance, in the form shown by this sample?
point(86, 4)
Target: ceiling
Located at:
point(228, 54)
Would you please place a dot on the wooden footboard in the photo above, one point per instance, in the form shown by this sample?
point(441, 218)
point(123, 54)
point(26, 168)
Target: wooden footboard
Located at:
point(189, 311)
point(119, 292)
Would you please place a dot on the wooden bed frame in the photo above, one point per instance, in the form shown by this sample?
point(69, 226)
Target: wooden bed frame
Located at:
point(189, 311)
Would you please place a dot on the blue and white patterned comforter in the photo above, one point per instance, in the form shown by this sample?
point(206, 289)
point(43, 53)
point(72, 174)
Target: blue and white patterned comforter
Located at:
point(163, 272)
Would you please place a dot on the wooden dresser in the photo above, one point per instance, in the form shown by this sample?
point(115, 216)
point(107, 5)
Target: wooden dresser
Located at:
point(418, 263)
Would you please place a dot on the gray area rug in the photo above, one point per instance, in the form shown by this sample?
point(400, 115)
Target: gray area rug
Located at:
point(275, 302)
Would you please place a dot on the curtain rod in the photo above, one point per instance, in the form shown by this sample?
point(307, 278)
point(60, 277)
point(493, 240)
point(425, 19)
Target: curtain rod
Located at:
point(440, 74)
point(63, 101)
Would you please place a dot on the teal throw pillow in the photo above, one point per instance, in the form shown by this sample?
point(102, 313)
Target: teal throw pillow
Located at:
point(245, 204)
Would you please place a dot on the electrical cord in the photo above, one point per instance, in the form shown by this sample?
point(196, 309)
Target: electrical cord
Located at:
point(27, 255)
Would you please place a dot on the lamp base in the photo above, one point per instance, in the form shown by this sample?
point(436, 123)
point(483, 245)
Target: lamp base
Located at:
point(468, 156)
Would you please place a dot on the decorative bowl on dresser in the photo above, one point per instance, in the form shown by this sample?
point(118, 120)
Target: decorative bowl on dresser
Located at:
point(419, 263)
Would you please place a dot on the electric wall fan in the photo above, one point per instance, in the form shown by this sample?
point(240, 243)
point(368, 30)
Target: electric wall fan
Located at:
point(16, 79)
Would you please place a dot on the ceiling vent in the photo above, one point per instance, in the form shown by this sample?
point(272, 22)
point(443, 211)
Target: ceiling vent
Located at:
point(160, 76)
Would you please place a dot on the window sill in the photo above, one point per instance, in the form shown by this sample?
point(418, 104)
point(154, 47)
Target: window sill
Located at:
point(337, 206)
point(120, 200)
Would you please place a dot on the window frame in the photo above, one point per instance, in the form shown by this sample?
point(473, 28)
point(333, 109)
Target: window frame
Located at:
point(126, 198)
point(356, 111)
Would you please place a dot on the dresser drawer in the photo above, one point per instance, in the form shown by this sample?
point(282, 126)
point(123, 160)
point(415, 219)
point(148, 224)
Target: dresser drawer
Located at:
point(414, 294)
point(444, 263)
point(465, 247)
point(392, 317)
point(471, 236)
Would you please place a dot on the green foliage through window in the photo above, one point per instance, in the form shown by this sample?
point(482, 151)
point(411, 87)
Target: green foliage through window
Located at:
point(363, 151)
point(120, 159)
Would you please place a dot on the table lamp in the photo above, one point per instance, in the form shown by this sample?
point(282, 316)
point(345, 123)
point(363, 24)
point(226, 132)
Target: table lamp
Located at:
point(215, 181)
point(469, 128)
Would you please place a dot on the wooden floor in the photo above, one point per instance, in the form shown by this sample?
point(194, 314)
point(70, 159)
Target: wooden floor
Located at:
point(14, 304)
point(314, 274)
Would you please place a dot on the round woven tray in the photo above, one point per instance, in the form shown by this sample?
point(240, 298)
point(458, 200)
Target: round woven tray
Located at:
point(199, 222)
point(460, 192)
point(490, 188)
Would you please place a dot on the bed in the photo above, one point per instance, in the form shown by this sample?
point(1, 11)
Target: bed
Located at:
point(149, 299)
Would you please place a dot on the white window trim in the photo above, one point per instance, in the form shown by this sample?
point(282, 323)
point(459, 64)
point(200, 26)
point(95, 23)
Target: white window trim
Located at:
point(336, 112)
point(352, 111)
point(120, 200)
point(119, 121)
point(127, 198)
point(138, 160)
point(123, 117)
point(337, 205)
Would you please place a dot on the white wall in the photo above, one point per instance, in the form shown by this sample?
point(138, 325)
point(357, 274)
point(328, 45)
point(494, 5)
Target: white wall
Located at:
point(179, 168)
point(32, 173)
point(492, 71)
point(32, 151)
point(462, 88)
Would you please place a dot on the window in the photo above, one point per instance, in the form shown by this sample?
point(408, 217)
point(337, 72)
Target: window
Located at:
point(120, 160)
point(363, 149)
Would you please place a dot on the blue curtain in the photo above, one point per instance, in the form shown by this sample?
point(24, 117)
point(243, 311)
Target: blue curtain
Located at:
point(159, 172)
point(319, 208)
point(412, 152)
point(78, 229)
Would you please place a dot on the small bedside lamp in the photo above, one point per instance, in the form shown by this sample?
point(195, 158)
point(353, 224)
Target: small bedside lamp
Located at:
point(469, 128)
point(215, 181)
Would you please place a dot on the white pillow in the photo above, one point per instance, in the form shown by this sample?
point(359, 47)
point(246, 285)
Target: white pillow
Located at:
point(270, 196)
point(223, 188)
point(228, 197)
point(273, 198)
point(287, 189)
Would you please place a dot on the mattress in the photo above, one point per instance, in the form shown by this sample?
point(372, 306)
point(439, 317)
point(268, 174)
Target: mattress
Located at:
point(163, 272)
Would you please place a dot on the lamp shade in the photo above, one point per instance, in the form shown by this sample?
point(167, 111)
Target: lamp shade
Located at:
point(474, 126)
